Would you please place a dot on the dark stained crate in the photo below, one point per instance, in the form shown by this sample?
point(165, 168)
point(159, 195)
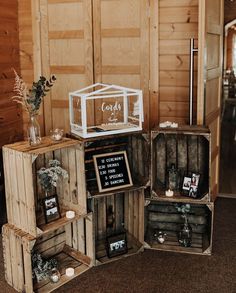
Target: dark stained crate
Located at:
point(188, 148)
point(163, 216)
point(116, 213)
point(137, 147)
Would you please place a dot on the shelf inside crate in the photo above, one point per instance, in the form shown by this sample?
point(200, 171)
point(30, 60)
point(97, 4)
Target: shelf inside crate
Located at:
point(62, 221)
point(199, 244)
point(159, 194)
point(68, 257)
point(133, 245)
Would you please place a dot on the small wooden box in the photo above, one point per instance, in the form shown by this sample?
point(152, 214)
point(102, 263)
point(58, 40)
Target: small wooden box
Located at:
point(71, 245)
point(188, 148)
point(23, 190)
point(137, 147)
point(115, 214)
point(163, 216)
point(118, 110)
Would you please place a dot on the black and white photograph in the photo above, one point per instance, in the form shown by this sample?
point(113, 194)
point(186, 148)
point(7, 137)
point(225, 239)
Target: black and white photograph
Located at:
point(186, 183)
point(51, 208)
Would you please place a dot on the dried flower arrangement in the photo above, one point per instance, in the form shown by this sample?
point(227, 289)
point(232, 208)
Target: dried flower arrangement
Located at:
point(31, 99)
point(48, 177)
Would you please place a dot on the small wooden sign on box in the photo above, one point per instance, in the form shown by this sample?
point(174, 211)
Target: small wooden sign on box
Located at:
point(112, 171)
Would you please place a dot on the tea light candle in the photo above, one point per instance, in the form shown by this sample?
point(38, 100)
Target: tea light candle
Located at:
point(174, 125)
point(70, 272)
point(70, 214)
point(169, 193)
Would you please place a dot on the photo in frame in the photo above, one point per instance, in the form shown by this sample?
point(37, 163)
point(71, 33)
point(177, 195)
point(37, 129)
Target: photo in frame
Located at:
point(51, 208)
point(116, 244)
point(194, 185)
point(190, 185)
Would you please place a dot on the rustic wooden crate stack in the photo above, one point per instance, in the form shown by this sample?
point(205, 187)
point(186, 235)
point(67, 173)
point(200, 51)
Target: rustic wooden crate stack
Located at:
point(127, 204)
point(139, 209)
point(71, 240)
point(188, 148)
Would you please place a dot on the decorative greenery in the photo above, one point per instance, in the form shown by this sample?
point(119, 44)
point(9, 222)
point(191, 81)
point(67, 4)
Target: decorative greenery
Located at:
point(31, 99)
point(48, 177)
point(41, 267)
point(184, 209)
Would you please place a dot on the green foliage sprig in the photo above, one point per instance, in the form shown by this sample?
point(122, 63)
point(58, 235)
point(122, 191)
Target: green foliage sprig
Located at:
point(31, 99)
point(48, 177)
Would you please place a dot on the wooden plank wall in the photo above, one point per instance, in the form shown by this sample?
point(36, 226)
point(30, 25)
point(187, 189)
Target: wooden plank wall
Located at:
point(178, 22)
point(10, 112)
point(172, 23)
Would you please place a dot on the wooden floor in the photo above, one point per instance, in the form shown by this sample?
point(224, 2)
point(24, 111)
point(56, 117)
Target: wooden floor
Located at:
point(228, 148)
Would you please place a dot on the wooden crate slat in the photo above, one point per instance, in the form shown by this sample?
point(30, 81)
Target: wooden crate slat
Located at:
point(47, 145)
point(68, 231)
point(136, 214)
point(14, 189)
point(29, 194)
point(21, 191)
point(119, 214)
point(74, 235)
point(72, 176)
point(81, 185)
point(19, 263)
point(90, 248)
point(7, 254)
point(7, 179)
point(77, 255)
point(141, 216)
point(80, 235)
point(65, 165)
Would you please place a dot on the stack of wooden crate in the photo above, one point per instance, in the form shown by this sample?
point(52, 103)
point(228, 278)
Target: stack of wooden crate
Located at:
point(126, 204)
point(189, 149)
point(69, 240)
point(138, 209)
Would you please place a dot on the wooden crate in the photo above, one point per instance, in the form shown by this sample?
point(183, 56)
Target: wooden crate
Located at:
point(163, 216)
point(138, 151)
point(71, 245)
point(23, 191)
point(188, 148)
point(128, 214)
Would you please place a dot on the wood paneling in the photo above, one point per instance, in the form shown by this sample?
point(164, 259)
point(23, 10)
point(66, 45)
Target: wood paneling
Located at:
point(121, 46)
point(178, 22)
point(10, 112)
point(66, 44)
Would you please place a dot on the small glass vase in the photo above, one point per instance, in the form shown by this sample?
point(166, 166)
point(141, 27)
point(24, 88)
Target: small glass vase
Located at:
point(54, 275)
point(34, 136)
point(185, 234)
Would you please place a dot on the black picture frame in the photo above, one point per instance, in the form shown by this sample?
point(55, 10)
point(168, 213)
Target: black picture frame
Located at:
point(116, 244)
point(194, 186)
point(190, 185)
point(51, 208)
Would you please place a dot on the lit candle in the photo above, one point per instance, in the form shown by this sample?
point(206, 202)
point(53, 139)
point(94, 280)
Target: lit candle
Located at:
point(169, 193)
point(70, 272)
point(70, 214)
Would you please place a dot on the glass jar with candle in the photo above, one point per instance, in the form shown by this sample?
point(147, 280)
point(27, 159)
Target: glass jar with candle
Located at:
point(54, 275)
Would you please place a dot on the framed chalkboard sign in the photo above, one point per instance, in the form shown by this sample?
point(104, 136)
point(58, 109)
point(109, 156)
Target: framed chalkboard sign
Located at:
point(112, 171)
